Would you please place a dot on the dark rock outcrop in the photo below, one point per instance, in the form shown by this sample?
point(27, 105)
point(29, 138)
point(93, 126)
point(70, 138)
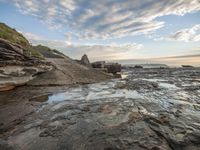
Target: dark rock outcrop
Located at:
point(85, 61)
point(10, 51)
point(99, 64)
point(14, 54)
point(138, 66)
point(113, 68)
point(187, 66)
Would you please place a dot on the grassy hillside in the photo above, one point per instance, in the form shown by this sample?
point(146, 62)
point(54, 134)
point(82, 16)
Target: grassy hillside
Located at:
point(38, 51)
point(47, 52)
point(13, 36)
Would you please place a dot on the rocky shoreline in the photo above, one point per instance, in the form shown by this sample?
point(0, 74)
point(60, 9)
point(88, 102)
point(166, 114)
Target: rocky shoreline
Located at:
point(157, 110)
point(49, 101)
point(18, 68)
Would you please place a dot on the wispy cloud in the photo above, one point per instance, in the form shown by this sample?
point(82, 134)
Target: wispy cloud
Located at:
point(171, 60)
point(180, 60)
point(94, 19)
point(95, 52)
point(187, 35)
point(105, 52)
point(31, 36)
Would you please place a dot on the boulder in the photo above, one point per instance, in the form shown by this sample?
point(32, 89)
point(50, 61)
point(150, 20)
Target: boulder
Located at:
point(98, 64)
point(138, 66)
point(113, 67)
point(110, 67)
point(187, 66)
point(85, 61)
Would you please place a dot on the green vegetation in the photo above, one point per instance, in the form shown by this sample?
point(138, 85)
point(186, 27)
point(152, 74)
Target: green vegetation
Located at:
point(34, 52)
point(47, 52)
point(13, 36)
point(39, 51)
point(43, 47)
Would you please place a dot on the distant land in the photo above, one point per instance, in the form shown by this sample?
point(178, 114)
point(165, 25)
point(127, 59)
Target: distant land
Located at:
point(173, 61)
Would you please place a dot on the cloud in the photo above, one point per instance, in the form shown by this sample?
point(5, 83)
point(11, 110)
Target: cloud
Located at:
point(32, 37)
point(187, 35)
point(35, 39)
point(95, 19)
point(95, 52)
point(180, 60)
point(105, 52)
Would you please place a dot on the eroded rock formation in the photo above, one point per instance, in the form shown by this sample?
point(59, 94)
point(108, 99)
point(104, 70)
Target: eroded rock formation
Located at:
point(17, 67)
point(85, 61)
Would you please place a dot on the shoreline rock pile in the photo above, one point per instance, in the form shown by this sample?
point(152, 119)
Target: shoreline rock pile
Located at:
point(103, 66)
point(113, 68)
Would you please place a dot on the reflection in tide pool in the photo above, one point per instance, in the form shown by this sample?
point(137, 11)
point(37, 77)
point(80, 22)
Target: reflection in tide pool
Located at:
point(124, 76)
point(94, 92)
point(165, 96)
point(168, 86)
point(58, 97)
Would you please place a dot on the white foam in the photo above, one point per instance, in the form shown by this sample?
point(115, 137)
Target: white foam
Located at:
point(168, 86)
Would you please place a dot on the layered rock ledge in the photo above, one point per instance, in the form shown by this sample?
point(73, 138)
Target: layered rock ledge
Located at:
point(18, 67)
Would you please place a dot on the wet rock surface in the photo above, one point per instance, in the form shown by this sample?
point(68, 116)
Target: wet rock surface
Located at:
point(150, 109)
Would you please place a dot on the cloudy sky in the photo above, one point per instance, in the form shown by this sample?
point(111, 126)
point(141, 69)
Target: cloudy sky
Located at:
point(109, 29)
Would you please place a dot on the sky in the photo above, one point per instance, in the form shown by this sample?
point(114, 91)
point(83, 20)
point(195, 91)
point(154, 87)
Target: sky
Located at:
point(156, 30)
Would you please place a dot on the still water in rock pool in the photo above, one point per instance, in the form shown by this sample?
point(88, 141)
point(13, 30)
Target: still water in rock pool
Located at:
point(90, 92)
